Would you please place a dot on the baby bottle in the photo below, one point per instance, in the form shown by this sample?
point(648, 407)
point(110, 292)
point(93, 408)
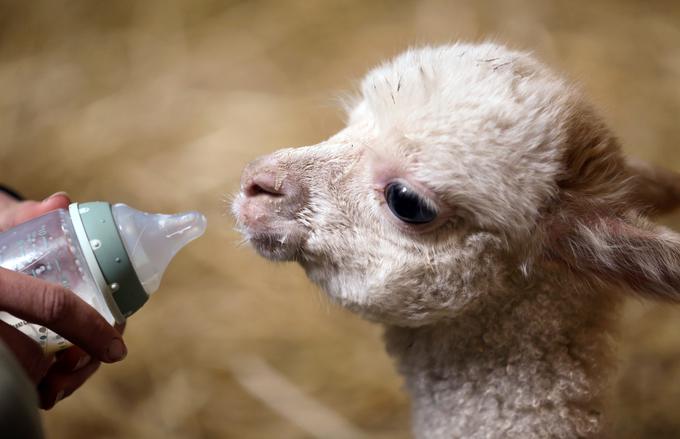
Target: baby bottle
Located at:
point(112, 257)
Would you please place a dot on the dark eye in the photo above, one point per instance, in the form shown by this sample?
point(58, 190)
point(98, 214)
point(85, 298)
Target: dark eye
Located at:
point(407, 205)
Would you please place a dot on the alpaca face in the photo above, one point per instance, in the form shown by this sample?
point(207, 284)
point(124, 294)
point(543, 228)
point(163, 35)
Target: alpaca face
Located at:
point(416, 209)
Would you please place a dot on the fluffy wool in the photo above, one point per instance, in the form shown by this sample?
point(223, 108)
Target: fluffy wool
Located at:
point(499, 312)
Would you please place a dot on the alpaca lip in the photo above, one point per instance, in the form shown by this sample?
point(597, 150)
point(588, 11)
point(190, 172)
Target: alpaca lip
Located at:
point(273, 235)
point(259, 214)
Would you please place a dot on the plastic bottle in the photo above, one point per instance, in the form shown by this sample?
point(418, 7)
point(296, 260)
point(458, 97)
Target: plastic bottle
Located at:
point(113, 257)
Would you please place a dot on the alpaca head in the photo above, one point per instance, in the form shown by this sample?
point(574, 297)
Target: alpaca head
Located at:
point(459, 166)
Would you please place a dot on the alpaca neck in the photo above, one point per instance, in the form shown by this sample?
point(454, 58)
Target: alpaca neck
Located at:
point(526, 365)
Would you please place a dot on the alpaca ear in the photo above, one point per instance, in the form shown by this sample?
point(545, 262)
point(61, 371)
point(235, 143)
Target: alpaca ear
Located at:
point(626, 251)
point(654, 189)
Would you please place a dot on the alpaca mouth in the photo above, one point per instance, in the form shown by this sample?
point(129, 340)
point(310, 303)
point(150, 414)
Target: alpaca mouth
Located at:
point(275, 247)
point(272, 235)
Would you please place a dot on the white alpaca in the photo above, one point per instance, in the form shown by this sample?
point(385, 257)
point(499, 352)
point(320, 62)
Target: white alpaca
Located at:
point(482, 212)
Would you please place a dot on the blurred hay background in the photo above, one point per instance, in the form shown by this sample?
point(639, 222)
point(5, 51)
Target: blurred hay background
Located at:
point(160, 103)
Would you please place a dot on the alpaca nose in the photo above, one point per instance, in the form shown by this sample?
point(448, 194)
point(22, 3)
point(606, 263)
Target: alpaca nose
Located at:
point(265, 184)
point(271, 180)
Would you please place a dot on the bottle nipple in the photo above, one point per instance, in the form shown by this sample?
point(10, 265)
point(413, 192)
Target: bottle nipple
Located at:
point(152, 240)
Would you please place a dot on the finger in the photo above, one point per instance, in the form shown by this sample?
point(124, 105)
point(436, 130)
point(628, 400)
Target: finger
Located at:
point(27, 352)
point(31, 209)
point(7, 211)
point(71, 359)
point(57, 385)
point(13, 212)
point(6, 200)
point(63, 312)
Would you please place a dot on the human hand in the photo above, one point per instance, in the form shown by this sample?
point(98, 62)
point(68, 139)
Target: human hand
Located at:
point(57, 309)
point(13, 212)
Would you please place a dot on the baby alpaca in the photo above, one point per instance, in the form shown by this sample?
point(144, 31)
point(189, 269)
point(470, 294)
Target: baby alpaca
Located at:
point(481, 211)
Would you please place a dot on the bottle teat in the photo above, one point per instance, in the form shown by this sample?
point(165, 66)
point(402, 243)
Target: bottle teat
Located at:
point(128, 251)
point(152, 240)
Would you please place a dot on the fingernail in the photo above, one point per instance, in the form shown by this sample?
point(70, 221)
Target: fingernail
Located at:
point(56, 194)
point(82, 362)
point(59, 397)
point(116, 350)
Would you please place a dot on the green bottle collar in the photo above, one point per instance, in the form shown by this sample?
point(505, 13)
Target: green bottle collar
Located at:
point(109, 262)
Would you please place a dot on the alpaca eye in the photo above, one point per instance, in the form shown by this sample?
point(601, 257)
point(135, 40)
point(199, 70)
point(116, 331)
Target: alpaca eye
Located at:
point(407, 205)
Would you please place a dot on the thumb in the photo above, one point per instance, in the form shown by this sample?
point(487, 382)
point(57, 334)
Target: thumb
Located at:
point(63, 312)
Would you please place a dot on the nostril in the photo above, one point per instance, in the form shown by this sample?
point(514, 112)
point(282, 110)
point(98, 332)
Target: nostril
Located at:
point(255, 189)
point(264, 185)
